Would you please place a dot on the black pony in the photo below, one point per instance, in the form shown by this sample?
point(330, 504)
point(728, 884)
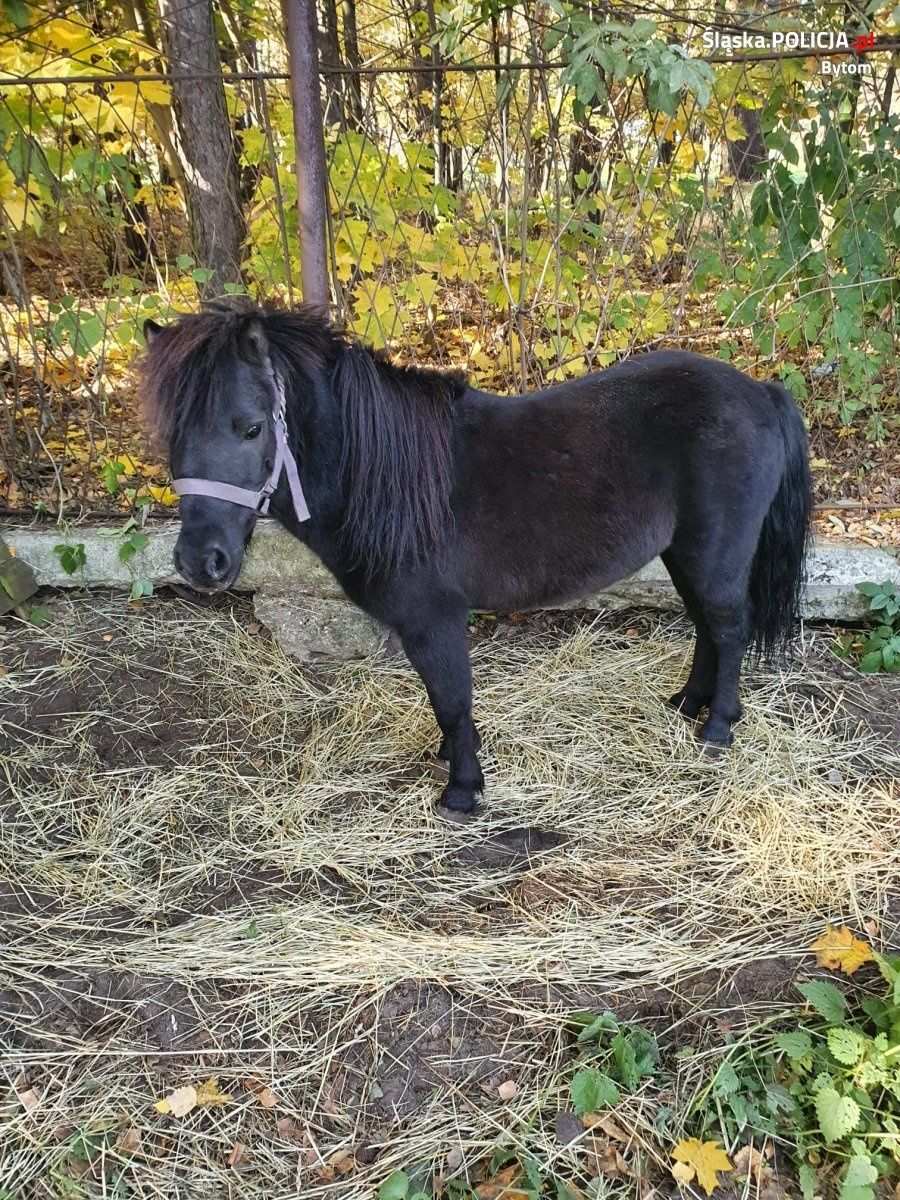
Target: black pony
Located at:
point(428, 498)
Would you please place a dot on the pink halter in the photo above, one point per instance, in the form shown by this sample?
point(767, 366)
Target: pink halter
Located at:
point(284, 461)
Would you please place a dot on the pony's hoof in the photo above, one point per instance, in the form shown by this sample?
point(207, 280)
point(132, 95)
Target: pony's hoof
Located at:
point(458, 799)
point(714, 742)
point(689, 706)
point(455, 816)
point(712, 750)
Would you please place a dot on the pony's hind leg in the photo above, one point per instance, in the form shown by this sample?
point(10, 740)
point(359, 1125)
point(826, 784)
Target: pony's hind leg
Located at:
point(727, 613)
point(698, 690)
point(719, 580)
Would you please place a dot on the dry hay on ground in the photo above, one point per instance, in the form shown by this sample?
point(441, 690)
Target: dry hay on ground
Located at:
point(218, 863)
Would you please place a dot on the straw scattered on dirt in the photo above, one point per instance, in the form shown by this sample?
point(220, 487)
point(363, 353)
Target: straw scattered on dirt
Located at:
point(216, 862)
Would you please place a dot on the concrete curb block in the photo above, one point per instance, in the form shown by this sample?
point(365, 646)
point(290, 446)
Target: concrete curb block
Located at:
point(287, 577)
point(276, 561)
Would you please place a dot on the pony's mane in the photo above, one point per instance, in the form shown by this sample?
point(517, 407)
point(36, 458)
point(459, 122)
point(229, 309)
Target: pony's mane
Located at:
point(396, 462)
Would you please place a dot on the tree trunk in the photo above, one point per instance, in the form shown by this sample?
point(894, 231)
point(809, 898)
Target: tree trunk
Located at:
point(427, 92)
point(330, 58)
point(353, 106)
point(745, 158)
point(205, 141)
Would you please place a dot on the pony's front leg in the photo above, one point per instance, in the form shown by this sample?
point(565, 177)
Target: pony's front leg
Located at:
point(443, 750)
point(439, 653)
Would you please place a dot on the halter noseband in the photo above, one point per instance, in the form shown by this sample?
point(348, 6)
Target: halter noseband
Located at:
point(284, 461)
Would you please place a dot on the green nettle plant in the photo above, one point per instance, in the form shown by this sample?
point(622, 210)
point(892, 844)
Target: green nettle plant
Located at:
point(825, 1088)
point(842, 1074)
point(880, 649)
point(619, 1055)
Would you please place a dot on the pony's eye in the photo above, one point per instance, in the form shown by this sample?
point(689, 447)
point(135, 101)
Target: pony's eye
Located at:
point(252, 431)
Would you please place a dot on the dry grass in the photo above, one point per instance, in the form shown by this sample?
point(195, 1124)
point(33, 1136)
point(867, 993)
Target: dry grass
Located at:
point(280, 904)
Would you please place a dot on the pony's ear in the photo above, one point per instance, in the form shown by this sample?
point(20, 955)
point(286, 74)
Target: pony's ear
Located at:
point(152, 330)
point(255, 344)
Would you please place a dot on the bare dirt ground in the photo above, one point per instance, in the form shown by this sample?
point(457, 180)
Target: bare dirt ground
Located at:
point(218, 864)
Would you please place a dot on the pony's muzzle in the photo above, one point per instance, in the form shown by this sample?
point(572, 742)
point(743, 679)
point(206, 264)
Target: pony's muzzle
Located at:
point(212, 569)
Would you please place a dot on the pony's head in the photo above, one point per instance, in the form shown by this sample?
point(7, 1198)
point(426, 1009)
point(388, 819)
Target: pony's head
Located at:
point(211, 388)
point(210, 395)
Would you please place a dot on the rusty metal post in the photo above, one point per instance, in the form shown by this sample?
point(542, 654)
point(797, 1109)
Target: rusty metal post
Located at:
point(301, 27)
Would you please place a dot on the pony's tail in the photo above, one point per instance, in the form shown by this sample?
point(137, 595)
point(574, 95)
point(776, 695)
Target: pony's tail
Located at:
point(778, 571)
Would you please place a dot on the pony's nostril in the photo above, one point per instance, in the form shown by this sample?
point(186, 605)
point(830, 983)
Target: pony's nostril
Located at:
point(217, 564)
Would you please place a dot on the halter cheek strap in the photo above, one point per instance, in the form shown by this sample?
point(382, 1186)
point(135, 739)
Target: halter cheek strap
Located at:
point(246, 497)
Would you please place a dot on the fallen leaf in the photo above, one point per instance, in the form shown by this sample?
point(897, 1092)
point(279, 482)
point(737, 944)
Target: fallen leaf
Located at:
point(130, 465)
point(700, 1160)
point(342, 1162)
point(507, 1090)
point(209, 1095)
point(608, 1161)
point(178, 1103)
point(238, 1155)
point(163, 495)
point(455, 1160)
point(838, 950)
point(129, 1141)
point(682, 1173)
point(749, 1163)
point(288, 1128)
point(265, 1096)
point(502, 1184)
point(29, 1100)
point(608, 1124)
point(501, 1191)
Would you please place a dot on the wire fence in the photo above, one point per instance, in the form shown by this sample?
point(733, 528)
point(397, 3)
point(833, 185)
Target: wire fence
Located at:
point(519, 214)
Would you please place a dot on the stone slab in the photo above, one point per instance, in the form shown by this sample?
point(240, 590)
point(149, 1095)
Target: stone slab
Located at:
point(280, 565)
point(312, 628)
point(276, 561)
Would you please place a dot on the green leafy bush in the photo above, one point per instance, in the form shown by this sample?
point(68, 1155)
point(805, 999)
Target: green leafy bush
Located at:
point(842, 1073)
point(880, 649)
point(826, 1086)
